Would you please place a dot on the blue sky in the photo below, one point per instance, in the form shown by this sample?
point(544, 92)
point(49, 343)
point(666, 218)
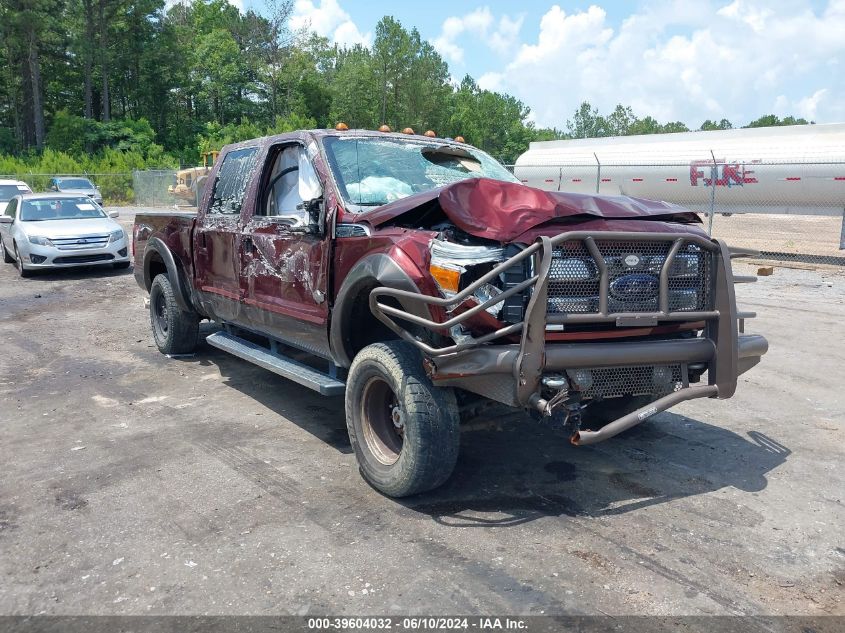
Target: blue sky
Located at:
point(683, 60)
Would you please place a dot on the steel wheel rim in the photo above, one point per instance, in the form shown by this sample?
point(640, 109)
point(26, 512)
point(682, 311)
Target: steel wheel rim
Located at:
point(382, 421)
point(160, 313)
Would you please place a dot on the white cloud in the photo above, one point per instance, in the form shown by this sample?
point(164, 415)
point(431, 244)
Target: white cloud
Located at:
point(755, 17)
point(500, 36)
point(328, 19)
point(808, 106)
point(684, 60)
point(490, 81)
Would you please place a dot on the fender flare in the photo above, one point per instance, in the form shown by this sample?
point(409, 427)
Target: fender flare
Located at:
point(377, 269)
point(174, 272)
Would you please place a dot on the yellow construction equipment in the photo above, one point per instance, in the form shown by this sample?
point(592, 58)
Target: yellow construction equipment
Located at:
point(190, 182)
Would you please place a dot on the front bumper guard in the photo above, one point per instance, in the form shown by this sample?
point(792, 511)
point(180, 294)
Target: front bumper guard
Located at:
point(512, 373)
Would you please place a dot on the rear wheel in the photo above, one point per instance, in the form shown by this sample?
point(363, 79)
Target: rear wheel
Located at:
point(404, 430)
point(174, 330)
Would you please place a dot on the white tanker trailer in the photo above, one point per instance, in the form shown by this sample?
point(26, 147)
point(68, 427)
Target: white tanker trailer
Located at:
point(793, 169)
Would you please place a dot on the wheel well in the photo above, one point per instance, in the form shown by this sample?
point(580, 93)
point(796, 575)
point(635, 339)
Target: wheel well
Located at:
point(155, 267)
point(363, 327)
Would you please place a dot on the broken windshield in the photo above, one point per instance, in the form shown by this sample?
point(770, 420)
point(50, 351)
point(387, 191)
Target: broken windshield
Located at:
point(375, 171)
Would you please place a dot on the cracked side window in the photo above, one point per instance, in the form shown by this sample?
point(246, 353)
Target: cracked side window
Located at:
point(232, 180)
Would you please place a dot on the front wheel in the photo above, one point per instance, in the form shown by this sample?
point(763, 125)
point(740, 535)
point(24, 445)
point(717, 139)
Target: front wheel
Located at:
point(23, 272)
point(174, 330)
point(403, 429)
point(7, 258)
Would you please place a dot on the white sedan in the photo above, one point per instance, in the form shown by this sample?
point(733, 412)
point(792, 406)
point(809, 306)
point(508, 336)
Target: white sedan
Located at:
point(54, 230)
point(9, 189)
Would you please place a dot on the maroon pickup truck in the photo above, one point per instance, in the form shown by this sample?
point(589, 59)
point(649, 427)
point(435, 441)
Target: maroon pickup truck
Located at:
point(419, 278)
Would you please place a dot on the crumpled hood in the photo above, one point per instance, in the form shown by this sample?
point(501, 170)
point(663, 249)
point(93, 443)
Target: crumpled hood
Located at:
point(502, 211)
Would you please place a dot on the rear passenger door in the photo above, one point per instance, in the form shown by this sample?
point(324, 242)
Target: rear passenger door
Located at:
point(217, 235)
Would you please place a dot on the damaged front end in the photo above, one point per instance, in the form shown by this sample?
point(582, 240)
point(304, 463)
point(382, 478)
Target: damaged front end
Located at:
point(580, 319)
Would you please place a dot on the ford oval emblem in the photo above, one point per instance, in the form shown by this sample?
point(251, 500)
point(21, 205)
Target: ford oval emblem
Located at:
point(635, 287)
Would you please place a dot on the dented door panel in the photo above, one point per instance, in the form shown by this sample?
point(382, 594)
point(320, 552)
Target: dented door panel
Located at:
point(284, 284)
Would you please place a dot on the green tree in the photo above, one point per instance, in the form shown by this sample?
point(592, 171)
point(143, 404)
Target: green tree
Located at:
point(586, 122)
point(355, 89)
point(218, 72)
point(673, 127)
point(620, 121)
point(724, 124)
point(392, 53)
point(771, 120)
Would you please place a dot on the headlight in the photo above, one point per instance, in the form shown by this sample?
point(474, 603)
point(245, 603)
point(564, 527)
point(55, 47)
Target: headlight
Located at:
point(116, 236)
point(449, 261)
point(41, 241)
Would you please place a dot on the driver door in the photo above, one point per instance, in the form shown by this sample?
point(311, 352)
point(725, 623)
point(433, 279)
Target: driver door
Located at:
point(284, 264)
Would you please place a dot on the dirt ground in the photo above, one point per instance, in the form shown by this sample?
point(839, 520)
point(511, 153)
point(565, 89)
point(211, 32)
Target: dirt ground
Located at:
point(137, 484)
point(801, 234)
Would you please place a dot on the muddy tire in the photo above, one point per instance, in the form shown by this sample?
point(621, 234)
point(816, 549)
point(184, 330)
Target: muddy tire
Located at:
point(7, 257)
point(404, 430)
point(174, 330)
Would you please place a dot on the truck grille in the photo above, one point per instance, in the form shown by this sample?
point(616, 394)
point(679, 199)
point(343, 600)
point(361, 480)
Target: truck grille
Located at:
point(651, 380)
point(633, 270)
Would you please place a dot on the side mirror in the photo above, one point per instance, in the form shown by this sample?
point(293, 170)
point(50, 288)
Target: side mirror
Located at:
point(6, 219)
point(316, 216)
point(114, 214)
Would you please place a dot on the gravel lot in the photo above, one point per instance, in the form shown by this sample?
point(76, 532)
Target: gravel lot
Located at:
point(809, 235)
point(138, 484)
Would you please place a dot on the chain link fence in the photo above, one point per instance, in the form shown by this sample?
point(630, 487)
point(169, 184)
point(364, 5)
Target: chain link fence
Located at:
point(116, 188)
point(789, 211)
point(154, 188)
point(149, 188)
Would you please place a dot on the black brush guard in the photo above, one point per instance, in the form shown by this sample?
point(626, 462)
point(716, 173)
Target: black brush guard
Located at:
point(512, 373)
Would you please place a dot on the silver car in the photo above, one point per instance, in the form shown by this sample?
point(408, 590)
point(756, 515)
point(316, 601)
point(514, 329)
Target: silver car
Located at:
point(54, 230)
point(76, 184)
